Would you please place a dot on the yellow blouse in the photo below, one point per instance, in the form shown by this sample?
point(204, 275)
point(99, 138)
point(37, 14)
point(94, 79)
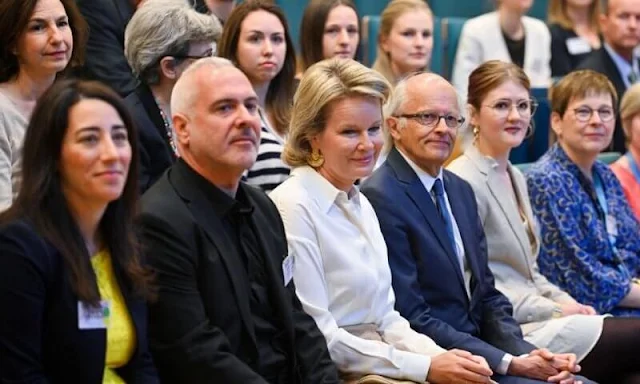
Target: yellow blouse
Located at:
point(121, 334)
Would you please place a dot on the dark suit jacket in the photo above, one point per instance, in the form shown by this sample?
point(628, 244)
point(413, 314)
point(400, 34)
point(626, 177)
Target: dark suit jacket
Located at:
point(601, 61)
point(156, 154)
point(201, 328)
point(104, 58)
point(40, 341)
point(429, 287)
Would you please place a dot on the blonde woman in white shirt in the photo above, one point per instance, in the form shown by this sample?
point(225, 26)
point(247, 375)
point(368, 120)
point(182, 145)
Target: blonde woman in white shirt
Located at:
point(340, 258)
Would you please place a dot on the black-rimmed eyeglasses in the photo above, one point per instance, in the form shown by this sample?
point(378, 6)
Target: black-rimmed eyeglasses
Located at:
point(431, 119)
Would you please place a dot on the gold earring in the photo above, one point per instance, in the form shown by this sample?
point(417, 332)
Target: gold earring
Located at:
point(316, 159)
point(476, 132)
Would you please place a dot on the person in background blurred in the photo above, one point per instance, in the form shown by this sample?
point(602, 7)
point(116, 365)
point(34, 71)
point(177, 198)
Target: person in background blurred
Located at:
point(574, 33)
point(618, 57)
point(38, 40)
point(162, 39)
point(219, 8)
point(72, 286)
point(405, 39)
point(508, 35)
point(329, 28)
point(590, 246)
point(105, 60)
point(501, 109)
point(257, 40)
point(627, 168)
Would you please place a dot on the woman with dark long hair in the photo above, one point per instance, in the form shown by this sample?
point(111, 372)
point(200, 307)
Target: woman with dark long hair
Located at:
point(72, 286)
point(39, 39)
point(256, 39)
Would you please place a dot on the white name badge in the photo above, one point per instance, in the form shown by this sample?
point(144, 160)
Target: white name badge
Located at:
point(287, 269)
point(577, 46)
point(612, 227)
point(90, 317)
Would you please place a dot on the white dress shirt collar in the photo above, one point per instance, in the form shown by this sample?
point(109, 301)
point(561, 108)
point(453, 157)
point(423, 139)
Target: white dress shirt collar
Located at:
point(426, 179)
point(325, 193)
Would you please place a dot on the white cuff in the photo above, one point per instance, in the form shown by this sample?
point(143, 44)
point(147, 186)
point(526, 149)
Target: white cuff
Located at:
point(503, 367)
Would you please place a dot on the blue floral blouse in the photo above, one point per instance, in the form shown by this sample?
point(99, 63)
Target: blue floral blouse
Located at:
point(576, 253)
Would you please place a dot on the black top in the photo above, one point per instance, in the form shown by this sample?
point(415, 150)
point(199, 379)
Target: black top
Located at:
point(203, 326)
point(156, 154)
point(566, 56)
point(104, 58)
point(516, 49)
point(236, 214)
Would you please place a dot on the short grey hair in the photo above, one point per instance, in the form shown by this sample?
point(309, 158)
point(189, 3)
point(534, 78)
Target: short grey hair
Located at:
point(398, 99)
point(186, 90)
point(162, 28)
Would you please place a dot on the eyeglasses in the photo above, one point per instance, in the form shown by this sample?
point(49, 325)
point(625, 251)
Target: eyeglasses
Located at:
point(431, 119)
point(584, 114)
point(194, 57)
point(525, 108)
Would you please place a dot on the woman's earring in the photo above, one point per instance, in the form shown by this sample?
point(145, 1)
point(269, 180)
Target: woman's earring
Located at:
point(316, 159)
point(476, 132)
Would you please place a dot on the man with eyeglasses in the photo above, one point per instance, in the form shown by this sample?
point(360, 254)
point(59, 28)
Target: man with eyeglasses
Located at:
point(618, 56)
point(437, 250)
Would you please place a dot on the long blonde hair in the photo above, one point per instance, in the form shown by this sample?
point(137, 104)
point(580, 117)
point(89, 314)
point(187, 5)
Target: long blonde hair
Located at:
point(391, 13)
point(557, 14)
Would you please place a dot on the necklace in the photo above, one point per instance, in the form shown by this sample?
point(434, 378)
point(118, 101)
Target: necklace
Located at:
point(168, 127)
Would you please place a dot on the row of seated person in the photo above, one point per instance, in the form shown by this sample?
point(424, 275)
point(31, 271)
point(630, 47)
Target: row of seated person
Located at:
point(317, 282)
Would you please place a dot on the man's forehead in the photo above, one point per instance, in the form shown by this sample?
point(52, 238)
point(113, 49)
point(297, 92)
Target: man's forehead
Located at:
point(432, 92)
point(227, 83)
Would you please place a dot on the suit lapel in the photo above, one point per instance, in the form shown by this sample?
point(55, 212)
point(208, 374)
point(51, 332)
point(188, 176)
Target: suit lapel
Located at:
point(208, 219)
point(508, 210)
point(153, 111)
point(275, 278)
point(612, 70)
point(422, 199)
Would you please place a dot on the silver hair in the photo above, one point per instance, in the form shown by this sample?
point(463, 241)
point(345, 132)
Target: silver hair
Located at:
point(162, 28)
point(186, 90)
point(398, 99)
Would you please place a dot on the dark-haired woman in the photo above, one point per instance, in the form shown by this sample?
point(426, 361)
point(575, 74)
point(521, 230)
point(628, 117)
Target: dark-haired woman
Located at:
point(256, 39)
point(37, 41)
point(329, 28)
point(72, 287)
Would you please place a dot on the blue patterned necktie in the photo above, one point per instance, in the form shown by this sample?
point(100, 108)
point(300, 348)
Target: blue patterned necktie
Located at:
point(441, 205)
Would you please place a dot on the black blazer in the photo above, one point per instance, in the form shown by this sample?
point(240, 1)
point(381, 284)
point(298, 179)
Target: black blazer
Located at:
point(156, 154)
point(600, 61)
point(429, 286)
point(201, 328)
point(104, 58)
point(40, 341)
point(563, 61)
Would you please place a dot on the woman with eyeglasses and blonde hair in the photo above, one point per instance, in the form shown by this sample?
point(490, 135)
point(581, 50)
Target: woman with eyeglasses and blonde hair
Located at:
point(574, 33)
point(627, 168)
point(405, 39)
point(501, 112)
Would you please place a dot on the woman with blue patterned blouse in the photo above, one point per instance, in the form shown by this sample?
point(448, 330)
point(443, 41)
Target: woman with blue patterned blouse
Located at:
point(590, 237)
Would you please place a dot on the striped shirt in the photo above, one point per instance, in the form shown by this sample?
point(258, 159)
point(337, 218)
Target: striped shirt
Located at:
point(269, 170)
